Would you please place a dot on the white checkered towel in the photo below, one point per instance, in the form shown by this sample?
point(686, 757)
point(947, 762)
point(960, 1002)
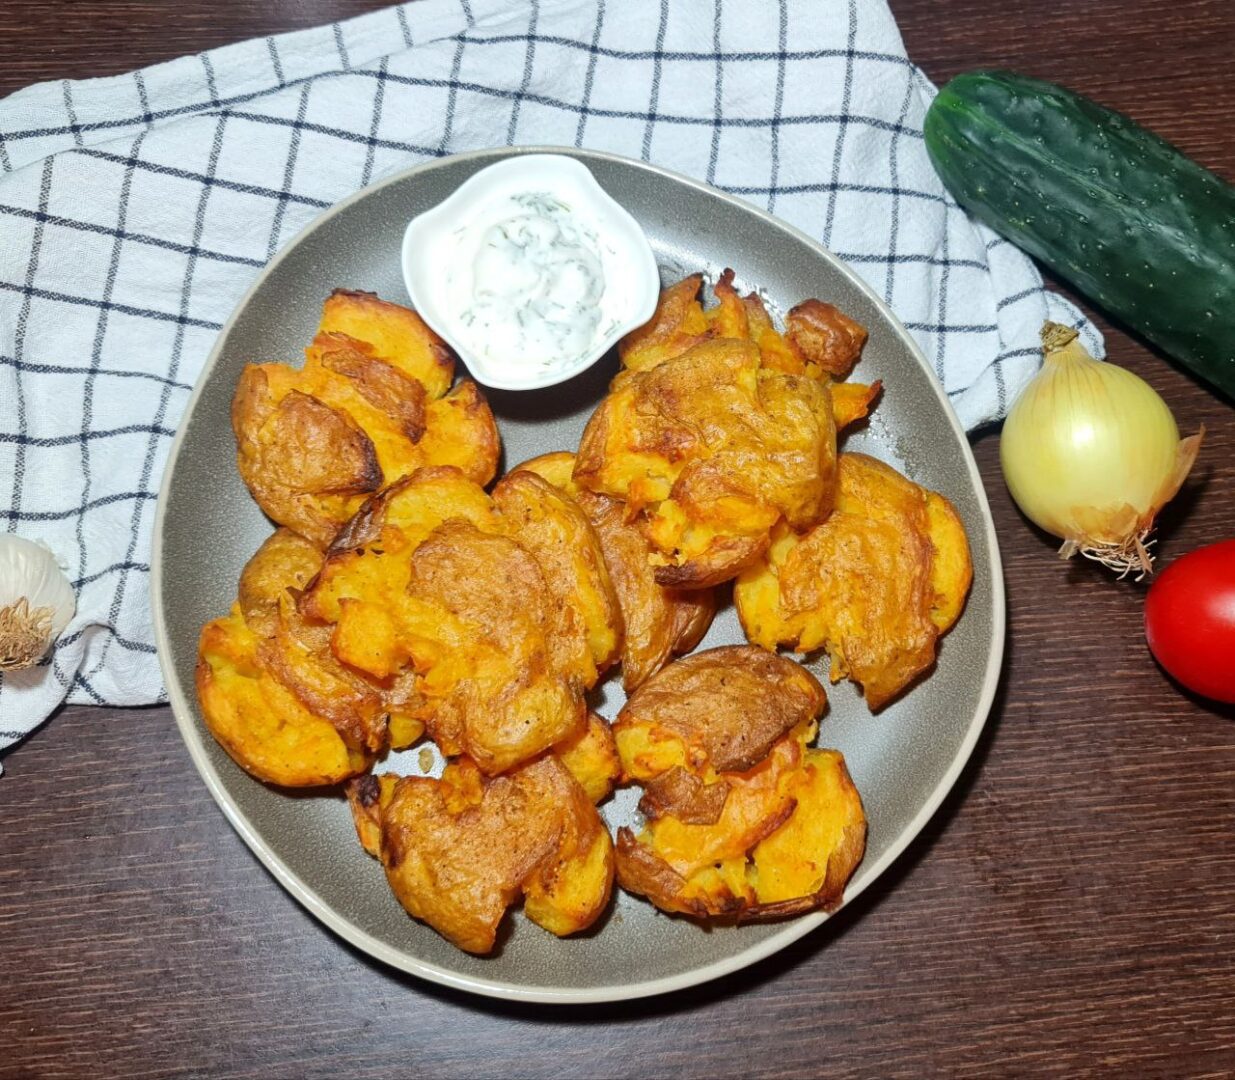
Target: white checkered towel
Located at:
point(134, 212)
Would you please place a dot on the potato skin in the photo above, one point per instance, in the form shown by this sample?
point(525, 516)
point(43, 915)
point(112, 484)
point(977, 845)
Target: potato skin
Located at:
point(727, 706)
point(274, 694)
point(549, 524)
point(370, 405)
point(258, 721)
point(460, 850)
point(658, 622)
point(875, 584)
point(592, 758)
point(395, 332)
point(790, 834)
point(819, 340)
point(711, 450)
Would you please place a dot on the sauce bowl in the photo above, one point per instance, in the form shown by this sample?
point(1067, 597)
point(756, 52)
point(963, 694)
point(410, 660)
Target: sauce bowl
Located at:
point(441, 244)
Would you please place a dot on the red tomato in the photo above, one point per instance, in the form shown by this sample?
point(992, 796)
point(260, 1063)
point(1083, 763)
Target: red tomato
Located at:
point(1190, 620)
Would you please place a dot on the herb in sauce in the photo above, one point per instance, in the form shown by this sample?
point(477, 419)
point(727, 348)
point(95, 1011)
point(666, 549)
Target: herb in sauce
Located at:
point(532, 291)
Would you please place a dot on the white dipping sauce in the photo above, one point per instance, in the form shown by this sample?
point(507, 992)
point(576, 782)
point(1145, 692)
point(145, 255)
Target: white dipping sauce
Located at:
point(528, 282)
point(530, 271)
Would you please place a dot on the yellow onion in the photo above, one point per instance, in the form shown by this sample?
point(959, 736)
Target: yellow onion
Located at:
point(1091, 453)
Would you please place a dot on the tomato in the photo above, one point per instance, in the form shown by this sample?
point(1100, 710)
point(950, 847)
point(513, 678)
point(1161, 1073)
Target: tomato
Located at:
point(1190, 620)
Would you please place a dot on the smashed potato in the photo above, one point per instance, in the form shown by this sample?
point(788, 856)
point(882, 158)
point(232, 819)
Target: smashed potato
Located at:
point(460, 850)
point(819, 340)
point(592, 758)
point(712, 450)
point(273, 693)
point(370, 405)
point(716, 711)
point(875, 585)
point(743, 818)
point(259, 721)
point(501, 606)
point(658, 622)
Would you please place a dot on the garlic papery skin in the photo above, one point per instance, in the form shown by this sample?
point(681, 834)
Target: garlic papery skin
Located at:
point(36, 602)
point(1091, 453)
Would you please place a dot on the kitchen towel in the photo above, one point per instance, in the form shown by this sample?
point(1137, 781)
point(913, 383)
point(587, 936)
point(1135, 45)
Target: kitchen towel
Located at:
point(135, 211)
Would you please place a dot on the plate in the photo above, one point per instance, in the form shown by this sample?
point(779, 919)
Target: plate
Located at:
point(903, 760)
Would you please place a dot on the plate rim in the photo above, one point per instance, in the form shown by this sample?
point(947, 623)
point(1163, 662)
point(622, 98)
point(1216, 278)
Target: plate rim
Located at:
point(300, 890)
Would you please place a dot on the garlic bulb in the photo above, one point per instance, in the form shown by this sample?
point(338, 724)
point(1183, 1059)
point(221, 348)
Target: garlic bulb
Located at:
point(36, 602)
point(1091, 453)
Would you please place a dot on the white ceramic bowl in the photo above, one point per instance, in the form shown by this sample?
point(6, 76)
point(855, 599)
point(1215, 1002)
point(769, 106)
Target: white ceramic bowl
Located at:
point(431, 243)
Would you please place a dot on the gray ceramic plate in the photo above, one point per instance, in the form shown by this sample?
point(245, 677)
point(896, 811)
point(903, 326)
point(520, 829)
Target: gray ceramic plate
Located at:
point(903, 761)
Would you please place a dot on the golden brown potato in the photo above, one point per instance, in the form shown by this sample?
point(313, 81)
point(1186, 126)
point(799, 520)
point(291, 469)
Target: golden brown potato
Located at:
point(270, 685)
point(716, 711)
point(259, 721)
point(676, 325)
point(819, 341)
point(396, 333)
point(501, 607)
point(699, 869)
point(369, 406)
point(875, 584)
point(743, 819)
point(712, 450)
point(460, 850)
point(592, 758)
point(852, 402)
point(549, 524)
point(825, 337)
point(659, 622)
point(789, 836)
point(482, 628)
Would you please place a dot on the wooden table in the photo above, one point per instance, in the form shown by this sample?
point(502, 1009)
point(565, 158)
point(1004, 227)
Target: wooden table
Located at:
point(1070, 909)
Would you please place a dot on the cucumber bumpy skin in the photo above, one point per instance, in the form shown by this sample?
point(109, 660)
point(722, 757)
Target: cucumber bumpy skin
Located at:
point(1123, 215)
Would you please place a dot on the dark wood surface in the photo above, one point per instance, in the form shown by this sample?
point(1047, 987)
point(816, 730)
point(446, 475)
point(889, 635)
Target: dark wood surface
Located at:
point(1070, 909)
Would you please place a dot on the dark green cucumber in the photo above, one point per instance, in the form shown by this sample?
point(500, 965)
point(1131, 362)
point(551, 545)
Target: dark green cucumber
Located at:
point(1135, 225)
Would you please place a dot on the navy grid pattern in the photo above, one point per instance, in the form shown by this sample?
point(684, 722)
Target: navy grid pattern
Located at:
point(135, 211)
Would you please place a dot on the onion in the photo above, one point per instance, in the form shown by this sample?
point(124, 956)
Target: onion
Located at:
point(1091, 453)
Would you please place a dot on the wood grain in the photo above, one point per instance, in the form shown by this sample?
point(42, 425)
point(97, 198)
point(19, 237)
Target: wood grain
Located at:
point(1068, 911)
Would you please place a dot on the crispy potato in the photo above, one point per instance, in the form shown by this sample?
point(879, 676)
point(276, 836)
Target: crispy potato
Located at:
point(460, 850)
point(852, 402)
point(369, 406)
point(550, 525)
point(268, 680)
point(804, 865)
point(780, 839)
point(676, 325)
point(951, 567)
point(259, 721)
point(396, 333)
point(875, 584)
point(285, 561)
point(482, 630)
point(658, 621)
point(743, 819)
point(716, 711)
point(825, 337)
point(819, 341)
point(501, 607)
point(712, 450)
point(592, 758)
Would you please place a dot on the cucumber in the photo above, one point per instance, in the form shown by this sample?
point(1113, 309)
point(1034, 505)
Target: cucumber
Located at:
point(1123, 215)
